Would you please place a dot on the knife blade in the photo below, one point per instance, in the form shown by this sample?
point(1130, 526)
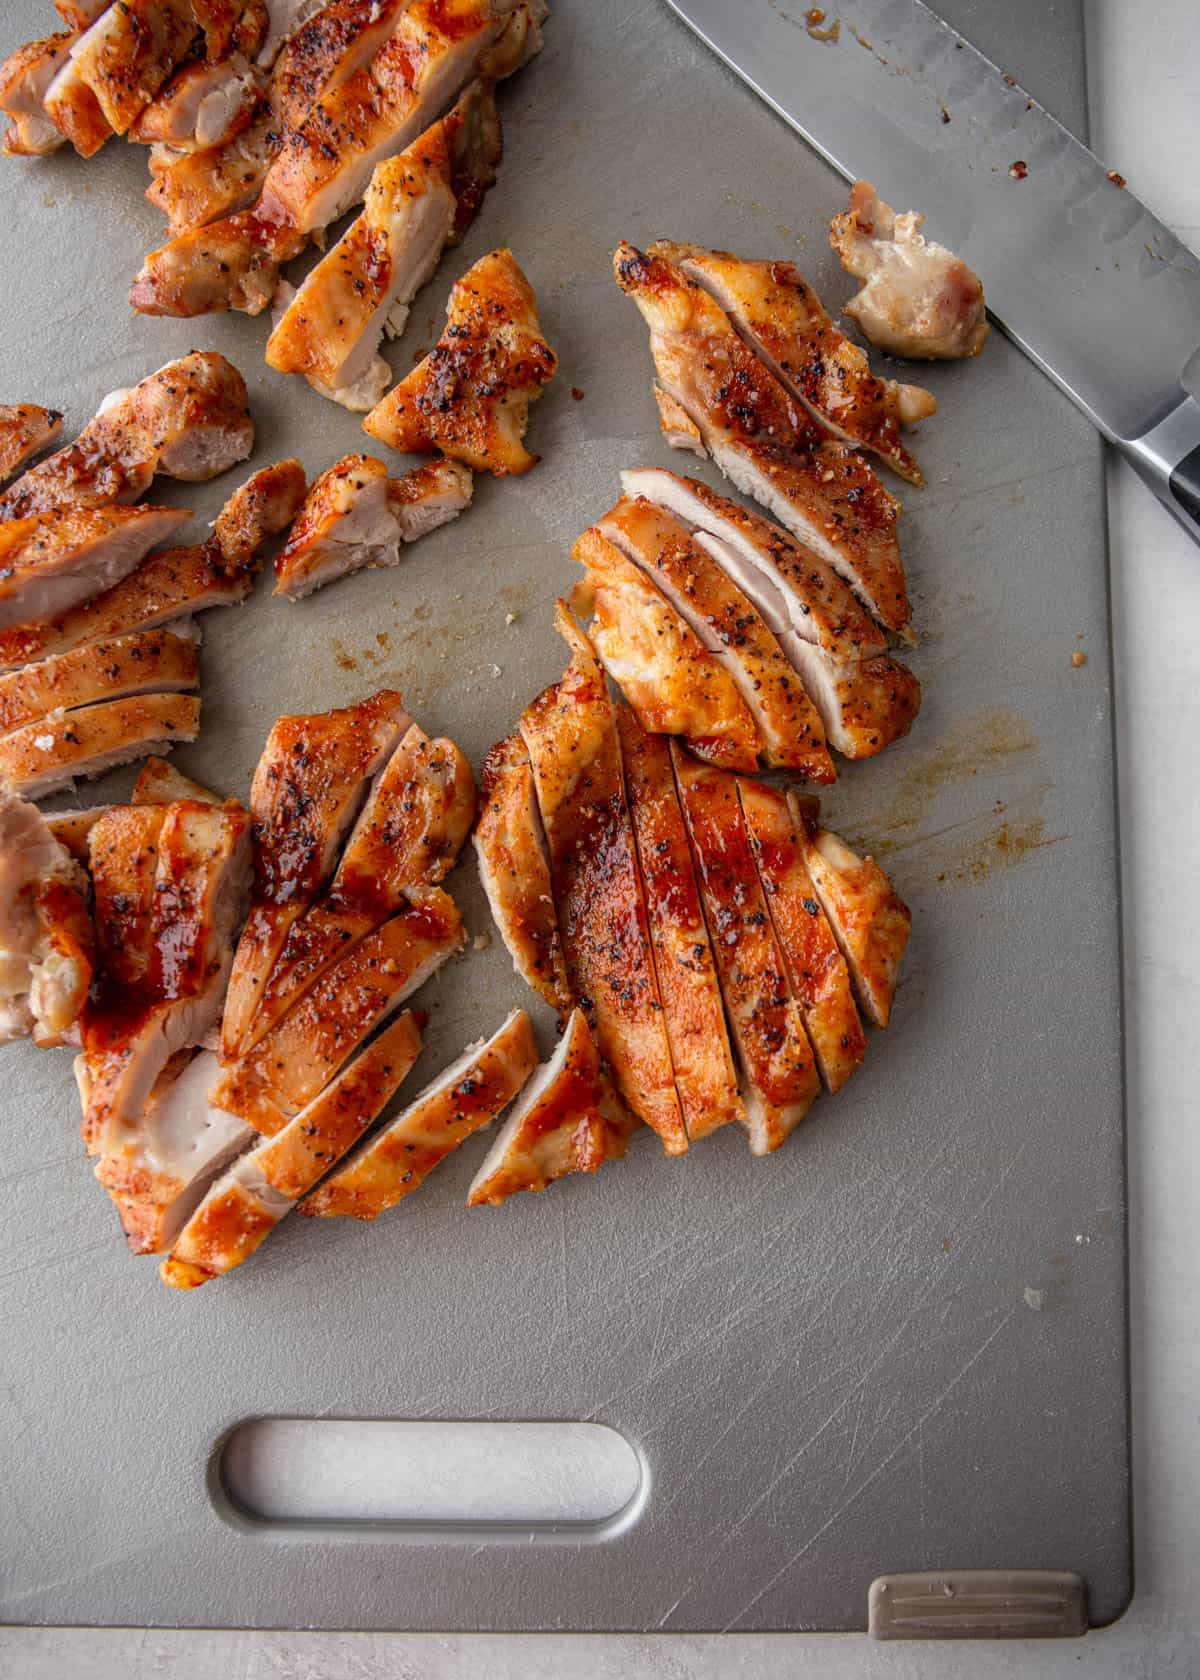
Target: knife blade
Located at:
point(1077, 271)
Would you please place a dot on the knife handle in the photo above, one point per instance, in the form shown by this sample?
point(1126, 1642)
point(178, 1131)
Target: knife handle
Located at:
point(1168, 459)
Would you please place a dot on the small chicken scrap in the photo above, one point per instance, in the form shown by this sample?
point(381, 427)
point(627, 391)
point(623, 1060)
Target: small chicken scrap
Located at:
point(26, 430)
point(918, 299)
point(47, 946)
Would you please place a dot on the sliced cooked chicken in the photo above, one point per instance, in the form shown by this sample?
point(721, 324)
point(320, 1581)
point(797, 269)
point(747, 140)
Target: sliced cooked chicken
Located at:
point(178, 581)
point(215, 184)
point(73, 108)
point(676, 686)
point(189, 420)
point(229, 264)
point(777, 1061)
point(919, 299)
point(869, 921)
point(264, 1185)
point(510, 845)
point(47, 946)
point(285, 17)
point(416, 204)
point(470, 396)
point(677, 425)
point(469, 1094)
point(571, 736)
point(204, 105)
point(25, 78)
point(409, 835)
point(338, 41)
point(49, 562)
point(146, 662)
point(25, 431)
point(295, 1060)
point(683, 959)
point(355, 516)
point(816, 969)
point(866, 700)
point(783, 320)
point(170, 885)
point(564, 1122)
point(764, 440)
point(73, 829)
point(63, 747)
point(128, 53)
point(310, 784)
point(730, 627)
point(160, 783)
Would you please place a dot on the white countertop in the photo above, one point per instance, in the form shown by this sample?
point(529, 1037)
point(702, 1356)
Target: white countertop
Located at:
point(1144, 76)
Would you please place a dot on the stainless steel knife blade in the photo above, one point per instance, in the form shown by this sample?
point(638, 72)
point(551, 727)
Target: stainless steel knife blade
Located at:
point(1085, 279)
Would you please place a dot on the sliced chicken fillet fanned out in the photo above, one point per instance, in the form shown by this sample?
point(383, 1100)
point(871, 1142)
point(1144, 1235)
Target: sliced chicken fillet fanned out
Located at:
point(777, 1061)
point(468, 1095)
point(25, 431)
point(311, 782)
point(565, 1121)
point(47, 945)
point(25, 78)
point(62, 747)
point(515, 872)
point(146, 662)
point(783, 320)
point(676, 686)
point(262, 1186)
point(49, 562)
point(570, 734)
point(731, 629)
point(683, 959)
point(294, 1061)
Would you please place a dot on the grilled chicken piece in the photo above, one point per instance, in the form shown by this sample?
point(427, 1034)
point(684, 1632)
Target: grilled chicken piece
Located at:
point(287, 1068)
point(310, 784)
point(47, 946)
point(869, 921)
point(338, 41)
point(468, 1095)
point(73, 108)
point(919, 300)
point(204, 105)
point(128, 53)
point(565, 1121)
point(49, 562)
point(777, 1061)
point(213, 184)
point(170, 885)
point(409, 835)
point(146, 662)
point(764, 440)
point(355, 516)
point(331, 327)
point(676, 686)
point(284, 19)
point(160, 783)
point(470, 396)
point(25, 78)
point(262, 1186)
point(72, 829)
point(229, 264)
point(816, 969)
point(784, 321)
point(62, 747)
point(677, 425)
point(510, 845)
point(683, 959)
point(866, 700)
point(189, 420)
point(728, 624)
point(25, 431)
point(571, 736)
point(179, 581)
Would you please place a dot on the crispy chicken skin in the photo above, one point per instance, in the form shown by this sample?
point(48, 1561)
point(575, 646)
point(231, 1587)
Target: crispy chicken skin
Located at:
point(47, 946)
point(50, 562)
point(263, 1185)
point(294, 1061)
point(730, 627)
point(470, 396)
point(146, 662)
point(780, 1076)
point(816, 969)
point(565, 1121)
point(515, 872)
point(870, 922)
point(311, 782)
point(25, 78)
point(571, 736)
point(673, 682)
point(61, 747)
point(25, 431)
point(783, 320)
point(190, 420)
point(468, 1095)
point(355, 516)
point(918, 299)
point(683, 959)
point(763, 439)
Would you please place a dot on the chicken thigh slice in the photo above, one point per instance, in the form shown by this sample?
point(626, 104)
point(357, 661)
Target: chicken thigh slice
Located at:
point(146, 662)
point(25, 78)
point(26, 430)
point(50, 562)
point(47, 943)
point(63, 747)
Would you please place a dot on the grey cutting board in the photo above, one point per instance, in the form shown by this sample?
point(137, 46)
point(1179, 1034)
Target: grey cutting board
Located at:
point(898, 1344)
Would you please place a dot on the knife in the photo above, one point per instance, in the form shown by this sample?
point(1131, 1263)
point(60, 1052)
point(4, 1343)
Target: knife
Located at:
point(1094, 288)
